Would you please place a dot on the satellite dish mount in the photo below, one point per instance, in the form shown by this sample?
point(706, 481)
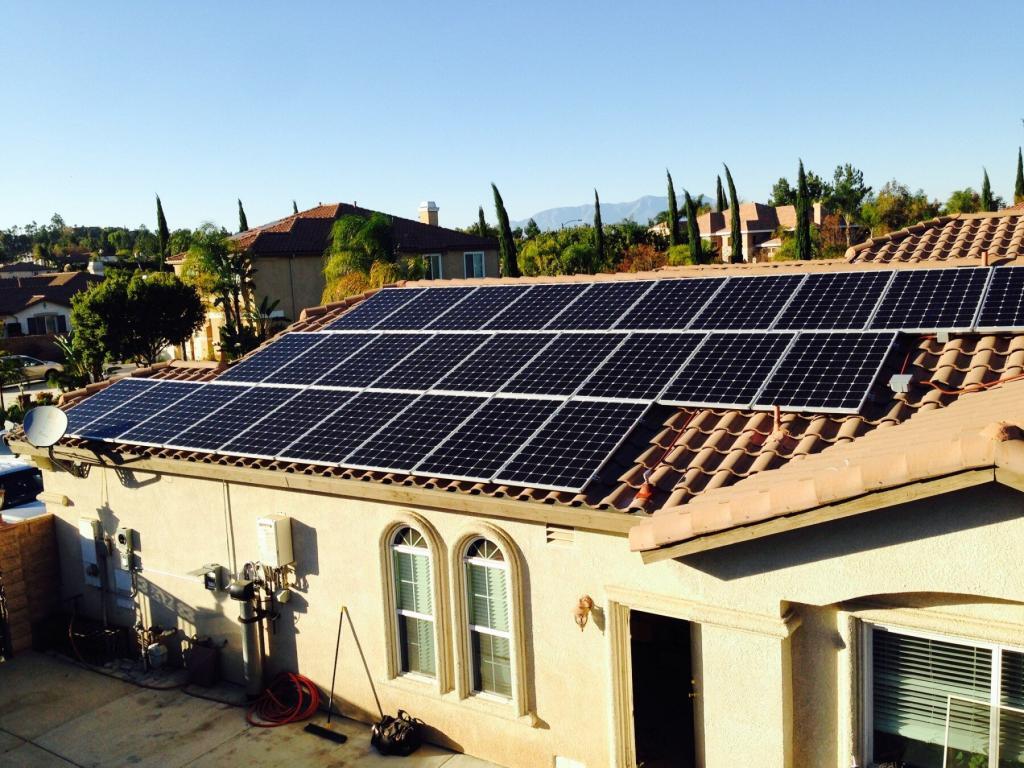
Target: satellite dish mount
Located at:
point(44, 426)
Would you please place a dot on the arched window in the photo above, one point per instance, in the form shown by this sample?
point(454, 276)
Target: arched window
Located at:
point(414, 602)
point(488, 607)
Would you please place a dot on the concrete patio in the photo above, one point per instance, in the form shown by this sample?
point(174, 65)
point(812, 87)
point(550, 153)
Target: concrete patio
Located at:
point(54, 713)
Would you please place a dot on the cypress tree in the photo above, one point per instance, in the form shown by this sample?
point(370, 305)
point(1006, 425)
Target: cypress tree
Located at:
point(803, 216)
point(162, 233)
point(506, 243)
point(987, 203)
point(673, 213)
point(1018, 188)
point(243, 225)
point(295, 208)
point(482, 223)
point(735, 236)
point(692, 231)
point(720, 204)
point(598, 230)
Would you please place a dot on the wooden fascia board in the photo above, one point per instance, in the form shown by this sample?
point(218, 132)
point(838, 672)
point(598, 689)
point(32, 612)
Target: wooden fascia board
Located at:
point(610, 522)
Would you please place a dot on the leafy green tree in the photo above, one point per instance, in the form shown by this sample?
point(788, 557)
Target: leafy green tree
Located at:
point(963, 201)
point(11, 372)
point(531, 230)
point(988, 203)
point(783, 193)
point(120, 241)
point(598, 229)
point(673, 213)
point(1018, 187)
point(481, 222)
point(162, 233)
point(218, 269)
point(357, 244)
point(720, 203)
point(803, 216)
point(895, 206)
point(506, 242)
point(146, 243)
point(848, 195)
point(696, 251)
point(243, 223)
point(161, 311)
point(735, 235)
point(180, 241)
point(295, 208)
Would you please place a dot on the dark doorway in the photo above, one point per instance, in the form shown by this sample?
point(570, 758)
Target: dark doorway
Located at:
point(662, 691)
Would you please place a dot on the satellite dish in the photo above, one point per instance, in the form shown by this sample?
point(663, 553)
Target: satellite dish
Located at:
point(45, 425)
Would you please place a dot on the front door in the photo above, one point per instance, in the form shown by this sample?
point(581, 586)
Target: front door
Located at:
point(663, 691)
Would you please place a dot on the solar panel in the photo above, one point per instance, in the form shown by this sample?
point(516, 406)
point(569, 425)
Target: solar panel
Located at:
point(361, 369)
point(371, 311)
point(1003, 307)
point(278, 429)
point(423, 309)
point(728, 370)
point(482, 445)
point(197, 404)
point(279, 352)
point(566, 453)
point(336, 436)
point(414, 433)
point(119, 420)
point(932, 299)
point(671, 304)
point(835, 301)
point(642, 366)
point(322, 358)
point(601, 306)
point(536, 309)
point(103, 401)
point(827, 372)
point(472, 312)
point(747, 303)
point(498, 360)
point(211, 433)
point(431, 361)
point(564, 364)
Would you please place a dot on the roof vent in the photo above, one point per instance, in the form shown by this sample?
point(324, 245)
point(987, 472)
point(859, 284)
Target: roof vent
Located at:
point(560, 535)
point(900, 383)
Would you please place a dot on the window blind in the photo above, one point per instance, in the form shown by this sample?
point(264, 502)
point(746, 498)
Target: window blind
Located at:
point(1011, 723)
point(488, 597)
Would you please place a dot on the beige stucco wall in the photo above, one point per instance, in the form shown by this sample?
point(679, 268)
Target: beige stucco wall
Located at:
point(773, 691)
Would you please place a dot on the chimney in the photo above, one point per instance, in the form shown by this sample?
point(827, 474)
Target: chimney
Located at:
point(428, 213)
point(818, 213)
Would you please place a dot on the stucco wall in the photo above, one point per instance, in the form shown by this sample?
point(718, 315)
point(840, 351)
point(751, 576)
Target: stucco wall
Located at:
point(773, 692)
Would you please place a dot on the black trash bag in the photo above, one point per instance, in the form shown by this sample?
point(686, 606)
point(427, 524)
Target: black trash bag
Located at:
point(401, 735)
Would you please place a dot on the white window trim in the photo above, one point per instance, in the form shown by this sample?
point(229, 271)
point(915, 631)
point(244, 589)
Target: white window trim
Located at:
point(440, 265)
point(866, 677)
point(483, 263)
point(442, 680)
point(516, 707)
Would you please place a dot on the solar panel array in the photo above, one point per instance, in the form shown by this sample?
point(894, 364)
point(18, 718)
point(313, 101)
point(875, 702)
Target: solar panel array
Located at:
point(539, 384)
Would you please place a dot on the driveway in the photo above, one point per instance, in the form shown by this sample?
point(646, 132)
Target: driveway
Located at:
point(55, 713)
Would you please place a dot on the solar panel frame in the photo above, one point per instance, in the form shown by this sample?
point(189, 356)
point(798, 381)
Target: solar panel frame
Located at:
point(494, 363)
point(1002, 308)
point(475, 310)
point(545, 301)
point(204, 401)
point(133, 412)
point(87, 410)
point(431, 361)
point(371, 311)
point(911, 295)
point(373, 360)
point(600, 307)
point(748, 303)
point(558, 368)
point(315, 363)
point(850, 297)
point(213, 431)
point(265, 362)
point(663, 300)
point(654, 357)
point(827, 372)
point(429, 305)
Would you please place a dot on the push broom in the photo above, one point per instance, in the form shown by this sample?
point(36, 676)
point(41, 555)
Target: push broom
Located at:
point(324, 731)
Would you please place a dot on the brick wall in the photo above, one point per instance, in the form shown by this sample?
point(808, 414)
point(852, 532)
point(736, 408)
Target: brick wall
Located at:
point(30, 573)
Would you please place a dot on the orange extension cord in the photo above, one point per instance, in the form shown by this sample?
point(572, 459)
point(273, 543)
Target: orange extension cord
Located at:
point(288, 699)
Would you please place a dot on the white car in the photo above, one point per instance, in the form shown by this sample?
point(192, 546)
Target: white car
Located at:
point(21, 481)
point(33, 369)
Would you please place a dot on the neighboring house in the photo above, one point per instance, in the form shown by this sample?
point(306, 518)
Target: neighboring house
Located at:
point(40, 305)
point(23, 269)
point(780, 590)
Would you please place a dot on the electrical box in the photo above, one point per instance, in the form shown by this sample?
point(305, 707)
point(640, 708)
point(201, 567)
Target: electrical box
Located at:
point(90, 534)
point(213, 578)
point(124, 543)
point(274, 540)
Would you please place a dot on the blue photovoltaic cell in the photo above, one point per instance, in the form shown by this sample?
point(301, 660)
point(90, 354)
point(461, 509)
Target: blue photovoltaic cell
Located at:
point(931, 299)
point(371, 311)
point(827, 371)
point(369, 363)
point(472, 312)
point(537, 307)
point(498, 360)
point(121, 419)
point(430, 362)
point(564, 364)
point(211, 433)
point(481, 446)
point(747, 303)
point(642, 366)
point(600, 307)
point(408, 438)
point(104, 401)
point(263, 363)
point(342, 432)
point(1003, 307)
point(570, 448)
point(671, 304)
point(727, 370)
point(197, 404)
point(322, 358)
point(280, 428)
point(423, 309)
point(834, 301)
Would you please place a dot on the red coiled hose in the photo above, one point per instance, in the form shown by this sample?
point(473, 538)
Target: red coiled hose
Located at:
point(288, 699)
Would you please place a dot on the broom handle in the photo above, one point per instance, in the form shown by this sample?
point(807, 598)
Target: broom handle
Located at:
point(334, 671)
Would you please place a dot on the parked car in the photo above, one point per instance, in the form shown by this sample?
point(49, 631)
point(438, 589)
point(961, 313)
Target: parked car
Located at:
point(35, 369)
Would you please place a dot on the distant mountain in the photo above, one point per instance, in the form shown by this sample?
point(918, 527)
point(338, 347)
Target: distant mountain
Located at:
point(640, 211)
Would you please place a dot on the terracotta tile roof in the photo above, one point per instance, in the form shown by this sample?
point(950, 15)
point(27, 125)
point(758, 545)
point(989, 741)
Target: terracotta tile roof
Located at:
point(961, 238)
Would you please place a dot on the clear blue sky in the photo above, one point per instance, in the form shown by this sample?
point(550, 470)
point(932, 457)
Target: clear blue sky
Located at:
point(392, 103)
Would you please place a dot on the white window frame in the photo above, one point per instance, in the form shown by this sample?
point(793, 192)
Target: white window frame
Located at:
point(438, 259)
point(423, 551)
point(498, 565)
point(867, 677)
point(479, 258)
